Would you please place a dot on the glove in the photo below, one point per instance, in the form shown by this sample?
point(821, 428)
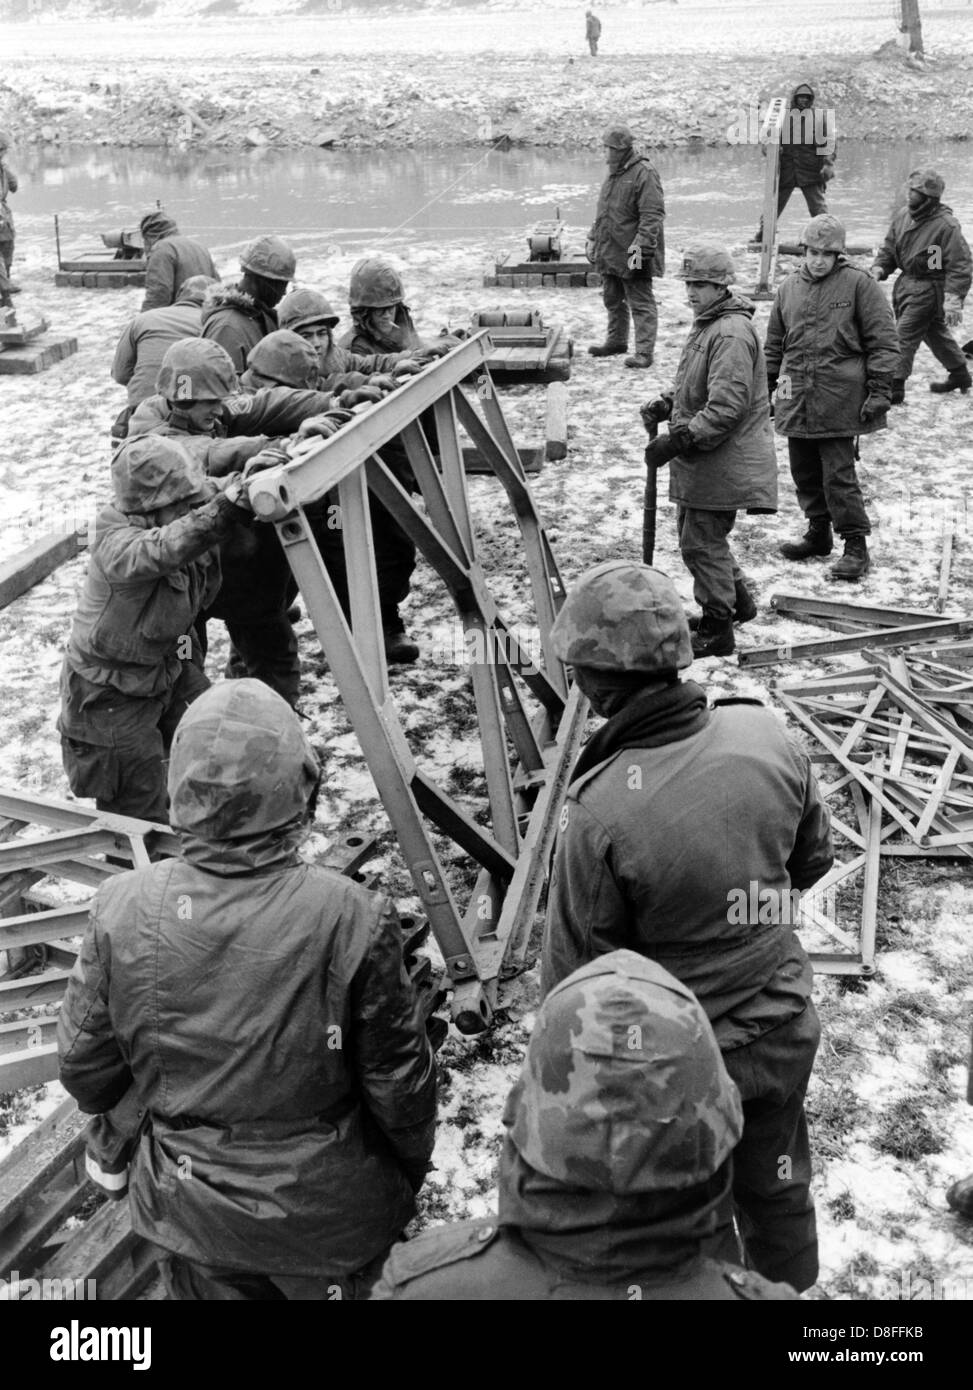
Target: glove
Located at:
point(771, 388)
point(657, 410)
point(953, 310)
point(876, 272)
point(349, 381)
point(236, 494)
point(347, 399)
point(382, 381)
point(323, 426)
point(874, 406)
point(666, 447)
point(827, 171)
point(589, 250)
point(267, 458)
point(407, 367)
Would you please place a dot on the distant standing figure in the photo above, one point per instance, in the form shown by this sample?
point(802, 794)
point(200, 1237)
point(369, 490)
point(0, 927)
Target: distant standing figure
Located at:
point(170, 260)
point(807, 154)
point(592, 31)
point(8, 184)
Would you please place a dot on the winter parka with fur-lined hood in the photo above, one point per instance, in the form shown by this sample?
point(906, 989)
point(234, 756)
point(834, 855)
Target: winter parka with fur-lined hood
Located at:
point(235, 320)
point(720, 393)
point(826, 340)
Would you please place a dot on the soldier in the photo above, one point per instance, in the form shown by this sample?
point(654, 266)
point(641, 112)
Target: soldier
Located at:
point(719, 443)
point(171, 260)
point(679, 821)
point(256, 1008)
point(626, 244)
point(238, 316)
point(831, 351)
point(200, 403)
point(8, 185)
point(617, 1150)
point(133, 662)
point(382, 322)
point(925, 242)
point(312, 316)
point(144, 341)
point(807, 154)
point(592, 31)
point(282, 359)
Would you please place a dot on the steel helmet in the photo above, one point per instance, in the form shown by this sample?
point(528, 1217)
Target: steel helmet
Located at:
point(304, 308)
point(195, 289)
point(927, 181)
point(823, 233)
point(374, 285)
point(240, 764)
point(196, 369)
point(707, 260)
point(621, 616)
point(271, 257)
point(623, 1087)
point(282, 358)
point(152, 470)
point(618, 137)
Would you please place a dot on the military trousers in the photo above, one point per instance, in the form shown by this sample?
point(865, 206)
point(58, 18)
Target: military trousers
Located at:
point(772, 1162)
point(827, 483)
point(707, 555)
point(814, 196)
point(115, 747)
point(632, 300)
point(919, 318)
point(190, 1281)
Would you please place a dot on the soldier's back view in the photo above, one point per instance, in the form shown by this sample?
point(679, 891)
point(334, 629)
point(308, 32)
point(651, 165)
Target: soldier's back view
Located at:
point(617, 1153)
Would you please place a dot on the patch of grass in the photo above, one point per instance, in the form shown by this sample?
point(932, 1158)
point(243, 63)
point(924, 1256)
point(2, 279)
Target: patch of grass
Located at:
point(832, 1111)
point(842, 1207)
point(847, 1283)
point(15, 1107)
point(904, 1129)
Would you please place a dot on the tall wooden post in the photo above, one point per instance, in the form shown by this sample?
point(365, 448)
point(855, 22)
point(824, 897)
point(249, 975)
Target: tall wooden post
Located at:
point(912, 25)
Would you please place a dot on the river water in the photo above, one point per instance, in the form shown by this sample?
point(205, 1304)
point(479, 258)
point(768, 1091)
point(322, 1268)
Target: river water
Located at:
point(362, 200)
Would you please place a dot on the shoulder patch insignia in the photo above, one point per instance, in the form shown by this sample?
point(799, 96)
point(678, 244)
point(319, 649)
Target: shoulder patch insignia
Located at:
point(444, 1245)
point(238, 405)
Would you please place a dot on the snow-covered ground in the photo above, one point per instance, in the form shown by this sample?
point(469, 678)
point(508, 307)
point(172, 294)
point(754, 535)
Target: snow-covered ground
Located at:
point(890, 1127)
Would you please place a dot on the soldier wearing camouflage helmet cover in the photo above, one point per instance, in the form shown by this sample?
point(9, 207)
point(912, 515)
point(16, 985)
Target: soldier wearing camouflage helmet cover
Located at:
point(257, 1007)
point(720, 446)
point(676, 812)
point(171, 259)
point(310, 314)
point(626, 244)
point(200, 403)
point(926, 243)
point(133, 662)
point(237, 316)
point(831, 353)
point(615, 1163)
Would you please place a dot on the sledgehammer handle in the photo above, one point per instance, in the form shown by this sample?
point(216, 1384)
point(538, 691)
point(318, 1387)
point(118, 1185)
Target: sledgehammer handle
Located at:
point(649, 504)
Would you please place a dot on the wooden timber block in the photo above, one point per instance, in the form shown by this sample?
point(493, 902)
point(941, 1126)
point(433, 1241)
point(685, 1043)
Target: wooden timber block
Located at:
point(593, 280)
point(556, 429)
point(490, 280)
point(98, 279)
point(521, 282)
point(532, 460)
point(20, 334)
point(65, 279)
point(506, 281)
point(564, 282)
point(35, 563)
point(549, 281)
point(36, 357)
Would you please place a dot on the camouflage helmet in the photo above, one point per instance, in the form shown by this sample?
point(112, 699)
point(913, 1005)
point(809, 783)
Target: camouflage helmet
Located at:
point(240, 763)
point(621, 616)
point(823, 233)
point(271, 257)
point(623, 1088)
point(374, 285)
point(194, 290)
point(303, 308)
point(196, 369)
point(707, 260)
point(618, 137)
point(152, 470)
point(282, 358)
point(927, 181)
point(157, 224)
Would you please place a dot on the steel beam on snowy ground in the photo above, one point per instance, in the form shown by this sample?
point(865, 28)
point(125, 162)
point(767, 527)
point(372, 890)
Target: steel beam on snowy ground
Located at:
point(491, 930)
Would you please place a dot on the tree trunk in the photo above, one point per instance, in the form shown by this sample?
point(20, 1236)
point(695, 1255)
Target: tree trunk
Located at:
point(912, 25)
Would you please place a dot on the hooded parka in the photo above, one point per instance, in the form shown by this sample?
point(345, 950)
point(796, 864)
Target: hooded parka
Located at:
point(720, 393)
point(631, 211)
point(144, 342)
point(826, 340)
point(807, 145)
point(269, 1028)
point(235, 320)
point(171, 261)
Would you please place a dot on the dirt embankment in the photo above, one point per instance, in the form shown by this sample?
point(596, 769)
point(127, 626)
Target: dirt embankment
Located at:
point(394, 102)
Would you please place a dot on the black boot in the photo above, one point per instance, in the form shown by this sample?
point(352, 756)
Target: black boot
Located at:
point(399, 647)
point(854, 563)
point(817, 540)
point(607, 349)
point(714, 636)
point(743, 611)
point(898, 390)
point(958, 380)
